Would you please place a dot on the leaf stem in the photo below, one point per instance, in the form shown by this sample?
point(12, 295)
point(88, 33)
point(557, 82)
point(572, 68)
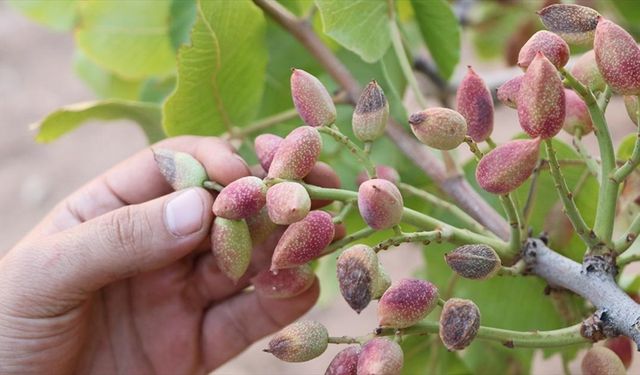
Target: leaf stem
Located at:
point(623, 260)
point(355, 236)
point(566, 197)
point(626, 240)
point(339, 218)
point(630, 165)
point(515, 240)
point(359, 153)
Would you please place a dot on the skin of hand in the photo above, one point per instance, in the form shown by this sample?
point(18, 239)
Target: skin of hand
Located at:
point(119, 278)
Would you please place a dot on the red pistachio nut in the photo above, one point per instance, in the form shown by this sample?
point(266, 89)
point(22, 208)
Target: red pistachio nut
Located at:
point(551, 45)
point(380, 203)
point(600, 360)
point(371, 113)
point(542, 109)
point(311, 99)
point(577, 114)
point(475, 104)
point(299, 342)
point(459, 323)
point(618, 58)
point(508, 166)
point(475, 261)
point(180, 169)
point(380, 356)
point(240, 199)
point(357, 270)
point(406, 303)
point(440, 128)
point(288, 202)
point(586, 71)
point(508, 91)
point(323, 175)
point(303, 241)
point(574, 23)
point(631, 105)
point(266, 146)
point(231, 247)
point(345, 362)
point(623, 347)
point(297, 154)
point(384, 172)
point(287, 283)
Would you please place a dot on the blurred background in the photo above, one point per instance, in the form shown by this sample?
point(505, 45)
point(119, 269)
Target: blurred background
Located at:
point(37, 76)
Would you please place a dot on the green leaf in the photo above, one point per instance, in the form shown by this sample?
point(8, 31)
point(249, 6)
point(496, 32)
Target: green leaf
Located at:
point(104, 84)
point(440, 31)
point(70, 117)
point(628, 9)
point(361, 26)
point(59, 15)
point(221, 74)
point(130, 38)
point(182, 16)
point(625, 148)
point(156, 90)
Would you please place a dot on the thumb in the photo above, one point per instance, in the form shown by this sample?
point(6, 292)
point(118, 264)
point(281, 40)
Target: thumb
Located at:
point(124, 242)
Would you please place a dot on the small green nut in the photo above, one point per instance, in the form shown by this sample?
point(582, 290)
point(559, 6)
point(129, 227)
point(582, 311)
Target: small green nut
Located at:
point(371, 114)
point(231, 247)
point(357, 270)
point(440, 128)
point(180, 169)
point(478, 261)
point(600, 360)
point(459, 323)
point(299, 342)
point(407, 302)
point(380, 356)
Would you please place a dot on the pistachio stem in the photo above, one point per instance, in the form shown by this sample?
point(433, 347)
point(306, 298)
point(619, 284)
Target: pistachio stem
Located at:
point(355, 236)
point(473, 147)
point(515, 241)
point(212, 185)
point(624, 242)
point(363, 157)
point(625, 259)
point(570, 208)
point(608, 193)
point(590, 162)
point(344, 340)
point(265, 123)
point(339, 218)
point(490, 143)
point(424, 237)
point(470, 222)
point(515, 270)
point(630, 165)
point(603, 99)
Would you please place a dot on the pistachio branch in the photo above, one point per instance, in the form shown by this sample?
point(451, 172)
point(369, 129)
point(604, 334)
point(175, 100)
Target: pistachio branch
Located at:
point(454, 185)
point(626, 239)
point(608, 194)
point(359, 153)
point(589, 161)
point(426, 238)
point(339, 218)
point(353, 237)
point(630, 165)
point(581, 227)
point(625, 259)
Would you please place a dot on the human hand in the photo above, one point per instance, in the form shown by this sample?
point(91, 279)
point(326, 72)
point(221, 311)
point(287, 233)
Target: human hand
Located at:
point(119, 278)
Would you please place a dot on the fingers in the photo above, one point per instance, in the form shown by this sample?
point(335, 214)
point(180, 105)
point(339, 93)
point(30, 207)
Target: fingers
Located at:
point(138, 180)
point(119, 244)
point(230, 327)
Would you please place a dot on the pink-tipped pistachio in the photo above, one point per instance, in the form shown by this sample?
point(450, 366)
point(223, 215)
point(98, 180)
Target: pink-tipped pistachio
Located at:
point(574, 23)
point(631, 105)
point(240, 199)
point(180, 169)
point(323, 175)
point(303, 241)
point(231, 247)
point(297, 154)
point(508, 166)
point(286, 283)
point(476, 261)
point(311, 99)
point(577, 114)
point(508, 91)
point(459, 323)
point(406, 303)
point(357, 270)
point(371, 114)
point(260, 226)
point(440, 128)
point(288, 202)
point(586, 71)
point(299, 342)
point(383, 282)
point(266, 146)
point(384, 172)
point(380, 356)
point(475, 104)
point(552, 46)
point(600, 360)
point(541, 102)
point(345, 362)
point(380, 203)
point(618, 58)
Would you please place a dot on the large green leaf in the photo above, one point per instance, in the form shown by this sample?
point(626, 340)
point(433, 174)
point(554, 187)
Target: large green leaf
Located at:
point(58, 15)
point(105, 84)
point(440, 31)
point(221, 74)
point(67, 118)
point(130, 38)
point(182, 16)
point(361, 26)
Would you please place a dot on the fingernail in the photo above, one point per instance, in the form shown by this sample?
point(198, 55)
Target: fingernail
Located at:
point(183, 214)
